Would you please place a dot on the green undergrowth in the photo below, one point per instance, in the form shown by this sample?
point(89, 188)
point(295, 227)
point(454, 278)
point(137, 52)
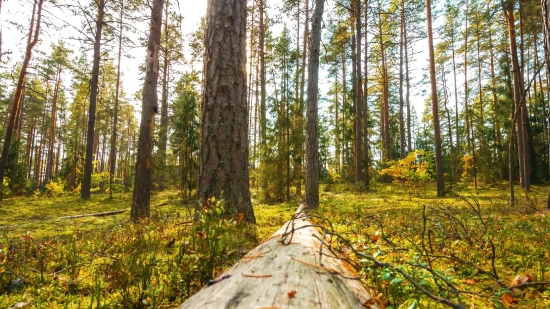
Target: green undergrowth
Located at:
point(389, 236)
point(108, 262)
point(467, 248)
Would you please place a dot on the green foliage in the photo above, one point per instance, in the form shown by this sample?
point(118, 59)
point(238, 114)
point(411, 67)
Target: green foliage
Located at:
point(152, 263)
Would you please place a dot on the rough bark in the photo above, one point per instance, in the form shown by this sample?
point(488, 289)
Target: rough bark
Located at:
point(224, 130)
point(435, 107)
point(17, 98)
point(88, 168)
point(141, 201)
point(312, 130)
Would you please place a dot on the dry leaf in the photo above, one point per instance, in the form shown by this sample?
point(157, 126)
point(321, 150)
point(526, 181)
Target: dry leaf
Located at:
point(520, 279)
point(508, 300)
point(469, 281)
point(374, 237)
point(291, 293)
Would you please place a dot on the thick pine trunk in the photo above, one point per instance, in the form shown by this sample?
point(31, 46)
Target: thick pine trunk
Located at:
point(141, 201)
point(17, 98)
point(224, 130)
point(312, 135)
point(366, 176)
point(90, 138)
point(435, 107)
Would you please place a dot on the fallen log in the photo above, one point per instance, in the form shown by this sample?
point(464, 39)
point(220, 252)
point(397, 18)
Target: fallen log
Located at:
point(98, 214)
point(286, 271)
point(106, 213)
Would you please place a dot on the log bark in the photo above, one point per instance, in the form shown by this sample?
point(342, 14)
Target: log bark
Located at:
point(286, 272)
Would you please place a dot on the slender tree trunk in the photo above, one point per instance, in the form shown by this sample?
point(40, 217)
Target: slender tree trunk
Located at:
point(112, 163)
point(545, 6)
point(358, 95)
point(301, 102)
point(408, 88)
point(385, 94)
point(19, 88)
point(401, 120)
point(366, 176)
point(263, 107)
point(496, 112)
point(224, 130)
point(312, 135)
point(53, 124)
point(518, 93)
point(163, 130)
point(435, 107)
point(456, 91)
point(141, 200)
point(88, 167)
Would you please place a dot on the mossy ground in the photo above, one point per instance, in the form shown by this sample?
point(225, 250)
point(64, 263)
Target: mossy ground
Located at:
point(108, 262)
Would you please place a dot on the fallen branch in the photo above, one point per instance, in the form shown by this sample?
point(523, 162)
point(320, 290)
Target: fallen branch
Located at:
point(98, 214)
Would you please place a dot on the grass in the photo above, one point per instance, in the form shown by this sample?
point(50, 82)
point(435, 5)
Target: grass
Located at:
point(107, 262)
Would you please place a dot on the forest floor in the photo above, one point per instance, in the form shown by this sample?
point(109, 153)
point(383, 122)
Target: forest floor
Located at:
point(472, 242)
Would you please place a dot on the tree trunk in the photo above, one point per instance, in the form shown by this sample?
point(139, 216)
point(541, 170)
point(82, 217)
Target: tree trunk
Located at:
point(163, 130)
point(301, 101)
point(401, 120)
point(545, 5)
point(263, 107)
point(88, 167)
point(19, 88)
point(112, 153)
point(435, 107)
point(518, 93)
point(312, 135)
point(53, 119)
point(366, 176)
point(358, 96)
point(141, 201)
point(224, 130)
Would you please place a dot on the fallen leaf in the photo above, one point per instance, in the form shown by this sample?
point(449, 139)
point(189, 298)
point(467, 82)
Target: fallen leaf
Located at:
point(508, 300)
point(469, 281)
point(520, 279)
point(379, 301)
point(374, 237)
point(291, 293)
